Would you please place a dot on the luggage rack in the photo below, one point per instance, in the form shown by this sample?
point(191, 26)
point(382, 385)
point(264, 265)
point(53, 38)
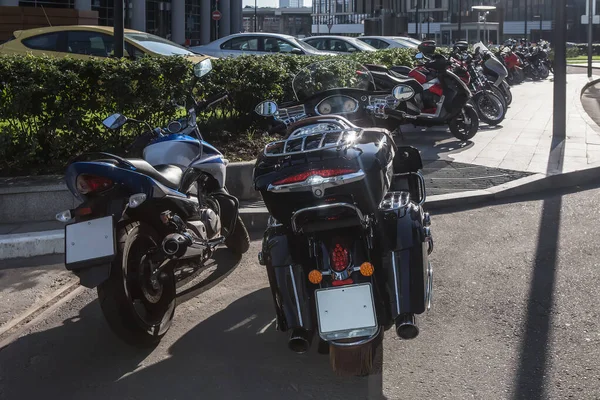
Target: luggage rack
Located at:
point(298, 143)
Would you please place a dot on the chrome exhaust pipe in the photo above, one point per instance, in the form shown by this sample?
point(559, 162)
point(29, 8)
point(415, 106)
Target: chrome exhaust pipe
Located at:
point(300, 340)
point(406, 326)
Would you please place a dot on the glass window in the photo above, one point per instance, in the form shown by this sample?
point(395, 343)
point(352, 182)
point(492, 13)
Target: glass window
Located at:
point(317, 43)
point(242, 44)
point(90, 43)
point(340, 45)
point(48, 41)
point(277, 45)
point(157, 44)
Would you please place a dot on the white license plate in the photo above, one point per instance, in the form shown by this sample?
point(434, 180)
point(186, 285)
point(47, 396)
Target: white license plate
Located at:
point(345, 308)
point(89, 240)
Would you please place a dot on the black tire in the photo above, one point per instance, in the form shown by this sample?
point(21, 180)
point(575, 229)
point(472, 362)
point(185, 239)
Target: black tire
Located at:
point(239, 240)
point(500, 93)
point(518, 76)
point(505, 89)
point(137, 313)
point(544, 71)
point(490, 107)
point(461, 129)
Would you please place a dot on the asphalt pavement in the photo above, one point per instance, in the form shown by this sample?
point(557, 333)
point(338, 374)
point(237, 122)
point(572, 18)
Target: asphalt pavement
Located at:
point(514, 317)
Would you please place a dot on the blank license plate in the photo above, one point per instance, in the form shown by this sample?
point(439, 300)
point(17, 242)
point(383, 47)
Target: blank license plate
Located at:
point(89, 240)
point(345, 308)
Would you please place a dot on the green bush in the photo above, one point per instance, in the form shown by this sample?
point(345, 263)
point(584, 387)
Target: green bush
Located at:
point(51, 109)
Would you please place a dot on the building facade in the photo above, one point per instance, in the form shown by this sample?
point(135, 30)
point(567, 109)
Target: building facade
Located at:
point(439, 19)
point(182, 21)
point(291, 3)
point(289, 21)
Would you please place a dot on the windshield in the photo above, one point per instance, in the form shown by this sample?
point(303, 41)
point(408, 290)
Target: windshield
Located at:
point(481, 47)
point(332, 74)
point(157, 44)
point(303, 45)
point(361, 45)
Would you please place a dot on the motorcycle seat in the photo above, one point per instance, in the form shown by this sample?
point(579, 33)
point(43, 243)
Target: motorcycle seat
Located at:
point(168, 175)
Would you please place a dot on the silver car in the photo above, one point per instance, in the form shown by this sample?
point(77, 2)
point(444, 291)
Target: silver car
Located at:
point(256, 43)
point(388, 42)
point(338, 44)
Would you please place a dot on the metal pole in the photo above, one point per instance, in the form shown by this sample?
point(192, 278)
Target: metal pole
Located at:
point(525, 21)
point(590, 27)
point(255, 17)
point(118, 29)
point(417, 20)
point(560, 70)
point(459, 19)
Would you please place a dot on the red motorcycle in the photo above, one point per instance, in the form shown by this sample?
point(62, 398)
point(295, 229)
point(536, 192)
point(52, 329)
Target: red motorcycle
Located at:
point(513, 65)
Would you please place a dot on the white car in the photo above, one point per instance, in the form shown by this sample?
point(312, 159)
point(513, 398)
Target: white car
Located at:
point(256, 43)
point(338, 44)
point(389, 42)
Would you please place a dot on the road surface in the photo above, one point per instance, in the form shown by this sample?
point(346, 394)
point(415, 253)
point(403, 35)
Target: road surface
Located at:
point(514, 316)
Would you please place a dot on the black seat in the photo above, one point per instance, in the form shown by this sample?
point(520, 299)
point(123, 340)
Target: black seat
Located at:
point(168, 175)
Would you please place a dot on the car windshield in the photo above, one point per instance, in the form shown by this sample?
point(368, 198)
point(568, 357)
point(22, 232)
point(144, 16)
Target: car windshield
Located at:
point(361, 45)
point(157, 44)
point(405, 42)
point(303, 45)
point(332, 74)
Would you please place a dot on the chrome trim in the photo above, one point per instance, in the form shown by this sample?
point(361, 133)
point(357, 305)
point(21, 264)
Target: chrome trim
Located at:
point(324, 207)
point(429, 287)
point(396, 281)
point(296, 296)
point(421, 186)
point(360, 342)
point(356, 105)
point(394, 200)
point(313, 182)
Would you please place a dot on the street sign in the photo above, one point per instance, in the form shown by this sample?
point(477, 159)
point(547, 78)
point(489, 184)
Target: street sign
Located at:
point(216, 15)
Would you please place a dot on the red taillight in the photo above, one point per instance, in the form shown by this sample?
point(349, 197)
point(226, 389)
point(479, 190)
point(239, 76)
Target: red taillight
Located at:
point(91, 183)
point(339, 258)
point(325, 173)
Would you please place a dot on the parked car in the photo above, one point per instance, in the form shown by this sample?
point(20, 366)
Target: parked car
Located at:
point(338, 44)
point(256, 43)
point(81, 41)
point(388, 42)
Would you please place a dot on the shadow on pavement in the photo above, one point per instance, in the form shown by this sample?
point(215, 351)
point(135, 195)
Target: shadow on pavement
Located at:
point(234, 354)
point(534, 362)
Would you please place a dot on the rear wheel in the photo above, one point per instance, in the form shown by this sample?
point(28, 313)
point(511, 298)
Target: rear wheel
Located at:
point(363, 360)
point(138, 306)
point(505, 89)
point(465, 125)
point(490, 107)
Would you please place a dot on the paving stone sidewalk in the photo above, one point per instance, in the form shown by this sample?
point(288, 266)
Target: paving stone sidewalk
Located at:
point(523, 141)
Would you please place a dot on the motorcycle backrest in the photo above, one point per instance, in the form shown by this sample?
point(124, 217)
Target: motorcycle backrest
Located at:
point(407, 159)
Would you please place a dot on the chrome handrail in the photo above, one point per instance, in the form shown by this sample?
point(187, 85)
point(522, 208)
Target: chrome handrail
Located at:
point(325, 207)
point(421, 185)
point(339, 142)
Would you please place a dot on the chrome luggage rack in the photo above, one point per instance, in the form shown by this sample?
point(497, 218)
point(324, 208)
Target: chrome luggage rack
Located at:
point(307, 140)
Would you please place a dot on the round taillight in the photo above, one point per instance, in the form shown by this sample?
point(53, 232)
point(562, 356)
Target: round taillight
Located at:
point(339, 258)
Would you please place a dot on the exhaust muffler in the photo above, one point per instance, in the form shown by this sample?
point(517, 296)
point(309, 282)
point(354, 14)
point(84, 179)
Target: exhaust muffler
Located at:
point(300, 340)
point(406, 326)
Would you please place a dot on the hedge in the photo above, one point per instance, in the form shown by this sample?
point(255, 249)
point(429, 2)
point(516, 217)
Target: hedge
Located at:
point(51, 109)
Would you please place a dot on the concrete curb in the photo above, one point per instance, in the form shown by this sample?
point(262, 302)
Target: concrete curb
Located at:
point(255, 219)
point(581, 66)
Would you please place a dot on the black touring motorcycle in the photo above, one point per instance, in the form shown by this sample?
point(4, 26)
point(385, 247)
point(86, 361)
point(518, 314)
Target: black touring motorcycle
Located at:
point(347, 244)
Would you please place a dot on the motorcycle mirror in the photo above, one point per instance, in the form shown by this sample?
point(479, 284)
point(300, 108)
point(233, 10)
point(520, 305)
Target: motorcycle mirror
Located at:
point(419, 56)
point(403, 92)
point(174, 127)
point(266, 108)
point(202, 68)
point(115, 121)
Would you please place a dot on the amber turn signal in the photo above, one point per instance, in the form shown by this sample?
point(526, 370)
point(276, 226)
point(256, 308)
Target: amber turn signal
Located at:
point(366, 269)
point(315, 277)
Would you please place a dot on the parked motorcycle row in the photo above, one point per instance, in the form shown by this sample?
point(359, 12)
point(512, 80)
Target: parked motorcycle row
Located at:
point(347, 245)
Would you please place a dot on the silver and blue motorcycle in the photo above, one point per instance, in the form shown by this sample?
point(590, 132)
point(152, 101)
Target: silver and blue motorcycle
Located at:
point(140, 219)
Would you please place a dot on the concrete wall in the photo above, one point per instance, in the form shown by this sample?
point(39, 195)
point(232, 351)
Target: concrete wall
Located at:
point(30, 201)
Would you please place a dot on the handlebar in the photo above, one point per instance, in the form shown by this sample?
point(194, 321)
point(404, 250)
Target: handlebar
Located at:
point(211, 101)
